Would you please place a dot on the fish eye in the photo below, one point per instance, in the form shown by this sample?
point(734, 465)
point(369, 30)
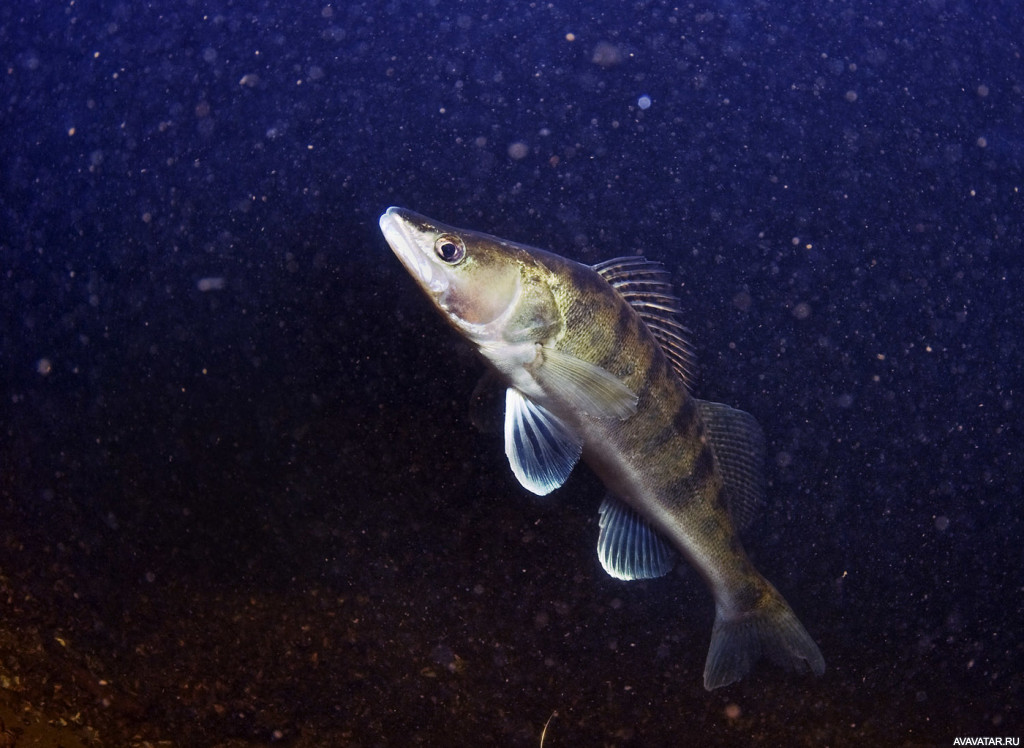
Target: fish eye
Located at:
point(450, 248)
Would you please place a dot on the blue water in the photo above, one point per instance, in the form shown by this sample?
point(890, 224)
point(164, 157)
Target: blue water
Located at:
point(224, 400)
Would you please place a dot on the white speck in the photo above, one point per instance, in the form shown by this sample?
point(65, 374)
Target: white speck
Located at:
point(802, 310)
point(607, 55)
point(644, 102)
point(518, 150)
point(210, 284)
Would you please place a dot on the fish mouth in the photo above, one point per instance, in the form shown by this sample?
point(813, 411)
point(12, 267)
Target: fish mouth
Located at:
point(408, 246)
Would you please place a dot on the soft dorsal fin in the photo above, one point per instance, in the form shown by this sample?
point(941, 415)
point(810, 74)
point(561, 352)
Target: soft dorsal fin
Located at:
point(647, 286)
point(541, 449)
point(629, 548)
point(738, 443)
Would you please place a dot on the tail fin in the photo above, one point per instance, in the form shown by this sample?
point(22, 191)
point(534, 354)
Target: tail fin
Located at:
point(770, 630)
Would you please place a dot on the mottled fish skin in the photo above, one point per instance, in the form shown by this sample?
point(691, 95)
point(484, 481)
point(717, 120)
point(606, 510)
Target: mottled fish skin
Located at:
point(531, 305)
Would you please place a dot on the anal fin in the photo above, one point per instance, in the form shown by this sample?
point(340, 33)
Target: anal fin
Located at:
point(628, 547)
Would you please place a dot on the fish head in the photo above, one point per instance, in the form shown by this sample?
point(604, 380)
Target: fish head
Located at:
point(488, 288)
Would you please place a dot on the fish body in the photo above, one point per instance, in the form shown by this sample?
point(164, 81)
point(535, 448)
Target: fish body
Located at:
point(596, 367)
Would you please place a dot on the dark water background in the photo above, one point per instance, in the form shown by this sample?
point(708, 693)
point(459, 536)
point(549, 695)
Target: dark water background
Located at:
point(252, 509)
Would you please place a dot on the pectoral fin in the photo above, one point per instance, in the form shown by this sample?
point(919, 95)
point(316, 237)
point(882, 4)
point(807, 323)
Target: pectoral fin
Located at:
point(585, 387)
point(629, 548)
point(541, 449)
point(486, 403)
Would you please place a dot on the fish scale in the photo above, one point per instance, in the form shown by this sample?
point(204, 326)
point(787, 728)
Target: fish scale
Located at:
point(596, 367)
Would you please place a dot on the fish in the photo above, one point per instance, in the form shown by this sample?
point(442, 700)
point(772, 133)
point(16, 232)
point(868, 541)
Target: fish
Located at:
point(596, 366)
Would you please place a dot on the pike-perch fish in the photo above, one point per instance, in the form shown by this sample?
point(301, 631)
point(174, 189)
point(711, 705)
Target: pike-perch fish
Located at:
point(594, 364)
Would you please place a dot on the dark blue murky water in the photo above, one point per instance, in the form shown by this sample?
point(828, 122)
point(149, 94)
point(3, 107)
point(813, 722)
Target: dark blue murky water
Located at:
point(241, 499)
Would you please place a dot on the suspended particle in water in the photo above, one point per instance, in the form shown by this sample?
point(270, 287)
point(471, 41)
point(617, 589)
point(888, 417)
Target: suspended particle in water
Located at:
point(210, 284)
point(606, 55)
point(518, 150)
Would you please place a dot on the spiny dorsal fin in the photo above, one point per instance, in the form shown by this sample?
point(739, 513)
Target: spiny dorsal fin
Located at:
point(647, 287)
point(738, 442)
